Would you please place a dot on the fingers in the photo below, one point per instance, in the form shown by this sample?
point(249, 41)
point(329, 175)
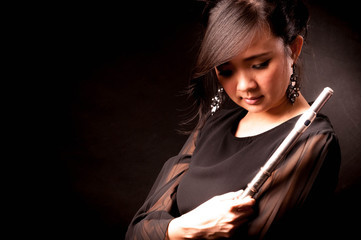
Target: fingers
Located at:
point(235, 200)
point(244, 202)
point(244, 206)
point(231, 195)
point(243, 210)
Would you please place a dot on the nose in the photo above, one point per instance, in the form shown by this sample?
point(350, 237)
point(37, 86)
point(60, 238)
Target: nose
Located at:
point(245, 83)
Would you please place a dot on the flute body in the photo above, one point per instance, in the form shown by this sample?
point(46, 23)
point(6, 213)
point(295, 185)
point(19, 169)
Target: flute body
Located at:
point(300, 127)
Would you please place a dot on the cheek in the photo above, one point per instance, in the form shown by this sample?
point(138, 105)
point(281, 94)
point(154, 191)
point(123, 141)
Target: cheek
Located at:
point(275, 79)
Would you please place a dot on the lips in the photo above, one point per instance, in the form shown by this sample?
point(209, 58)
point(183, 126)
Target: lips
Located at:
point(253, 100)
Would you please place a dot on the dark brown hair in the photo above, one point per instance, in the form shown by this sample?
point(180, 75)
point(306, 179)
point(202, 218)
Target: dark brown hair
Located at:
point(230, 27)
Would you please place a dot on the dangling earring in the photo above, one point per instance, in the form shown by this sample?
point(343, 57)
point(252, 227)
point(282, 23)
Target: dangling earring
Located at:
point(294, 87)
point(217, 101)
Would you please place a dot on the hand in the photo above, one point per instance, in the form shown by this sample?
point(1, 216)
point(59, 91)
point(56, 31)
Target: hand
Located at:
point(218, 217)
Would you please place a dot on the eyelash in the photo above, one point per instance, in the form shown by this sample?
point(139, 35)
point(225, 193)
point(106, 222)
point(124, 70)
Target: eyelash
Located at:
point(261, 66)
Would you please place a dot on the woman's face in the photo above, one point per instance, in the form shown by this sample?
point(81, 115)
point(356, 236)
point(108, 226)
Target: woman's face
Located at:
point(257, 79)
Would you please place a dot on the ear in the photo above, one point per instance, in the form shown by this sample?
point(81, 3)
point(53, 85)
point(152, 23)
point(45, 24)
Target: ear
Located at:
point(296, 47)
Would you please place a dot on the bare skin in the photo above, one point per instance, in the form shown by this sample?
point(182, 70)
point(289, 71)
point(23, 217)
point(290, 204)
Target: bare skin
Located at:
point(256, 79)
point(218, 217)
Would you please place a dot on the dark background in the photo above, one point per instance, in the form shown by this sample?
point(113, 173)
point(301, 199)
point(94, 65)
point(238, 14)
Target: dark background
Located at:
point(105, 107)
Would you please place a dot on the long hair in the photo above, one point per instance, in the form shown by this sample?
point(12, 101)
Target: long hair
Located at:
point(230, 28)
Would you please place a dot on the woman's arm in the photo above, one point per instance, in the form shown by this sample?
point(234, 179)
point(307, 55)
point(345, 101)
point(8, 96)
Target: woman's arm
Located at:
point(218, 217)
point(295, 193)
point(152, 219)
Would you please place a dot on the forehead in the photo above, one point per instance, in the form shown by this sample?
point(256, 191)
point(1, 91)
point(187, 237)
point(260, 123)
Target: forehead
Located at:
point(262, 42)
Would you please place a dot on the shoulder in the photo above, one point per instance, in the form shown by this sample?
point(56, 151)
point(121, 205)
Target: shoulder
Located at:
point(321, 125)
point(321, 139)
point(321, 131)
point(219, 123)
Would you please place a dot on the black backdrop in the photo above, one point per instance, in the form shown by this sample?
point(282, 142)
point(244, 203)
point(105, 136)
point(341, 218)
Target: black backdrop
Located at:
point(113, 76)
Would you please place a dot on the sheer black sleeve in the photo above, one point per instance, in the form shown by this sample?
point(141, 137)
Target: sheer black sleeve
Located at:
point(294, 197)
point(287, 204)
point(152, 219)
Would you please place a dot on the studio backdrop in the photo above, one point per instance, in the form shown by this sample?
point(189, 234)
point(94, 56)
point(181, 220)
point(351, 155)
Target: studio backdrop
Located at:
point(117, 90)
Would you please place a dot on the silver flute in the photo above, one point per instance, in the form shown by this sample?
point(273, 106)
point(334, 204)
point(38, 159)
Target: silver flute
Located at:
point(300, 127)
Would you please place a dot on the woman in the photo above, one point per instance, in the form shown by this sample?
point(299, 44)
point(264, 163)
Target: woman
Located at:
point(248, 55)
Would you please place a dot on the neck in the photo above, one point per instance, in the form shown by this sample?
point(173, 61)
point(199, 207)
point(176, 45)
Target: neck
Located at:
point(256, 123)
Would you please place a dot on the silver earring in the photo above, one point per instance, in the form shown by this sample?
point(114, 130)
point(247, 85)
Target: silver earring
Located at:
point(217, 101)
point(294, 86)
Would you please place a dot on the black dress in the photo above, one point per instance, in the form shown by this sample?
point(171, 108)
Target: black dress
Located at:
point(214, 161)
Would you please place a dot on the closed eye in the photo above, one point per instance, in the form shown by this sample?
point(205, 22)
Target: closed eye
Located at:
point(261, 65)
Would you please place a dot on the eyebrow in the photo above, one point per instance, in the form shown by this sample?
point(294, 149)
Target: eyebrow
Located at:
point(247, 59)
point(256, 56)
